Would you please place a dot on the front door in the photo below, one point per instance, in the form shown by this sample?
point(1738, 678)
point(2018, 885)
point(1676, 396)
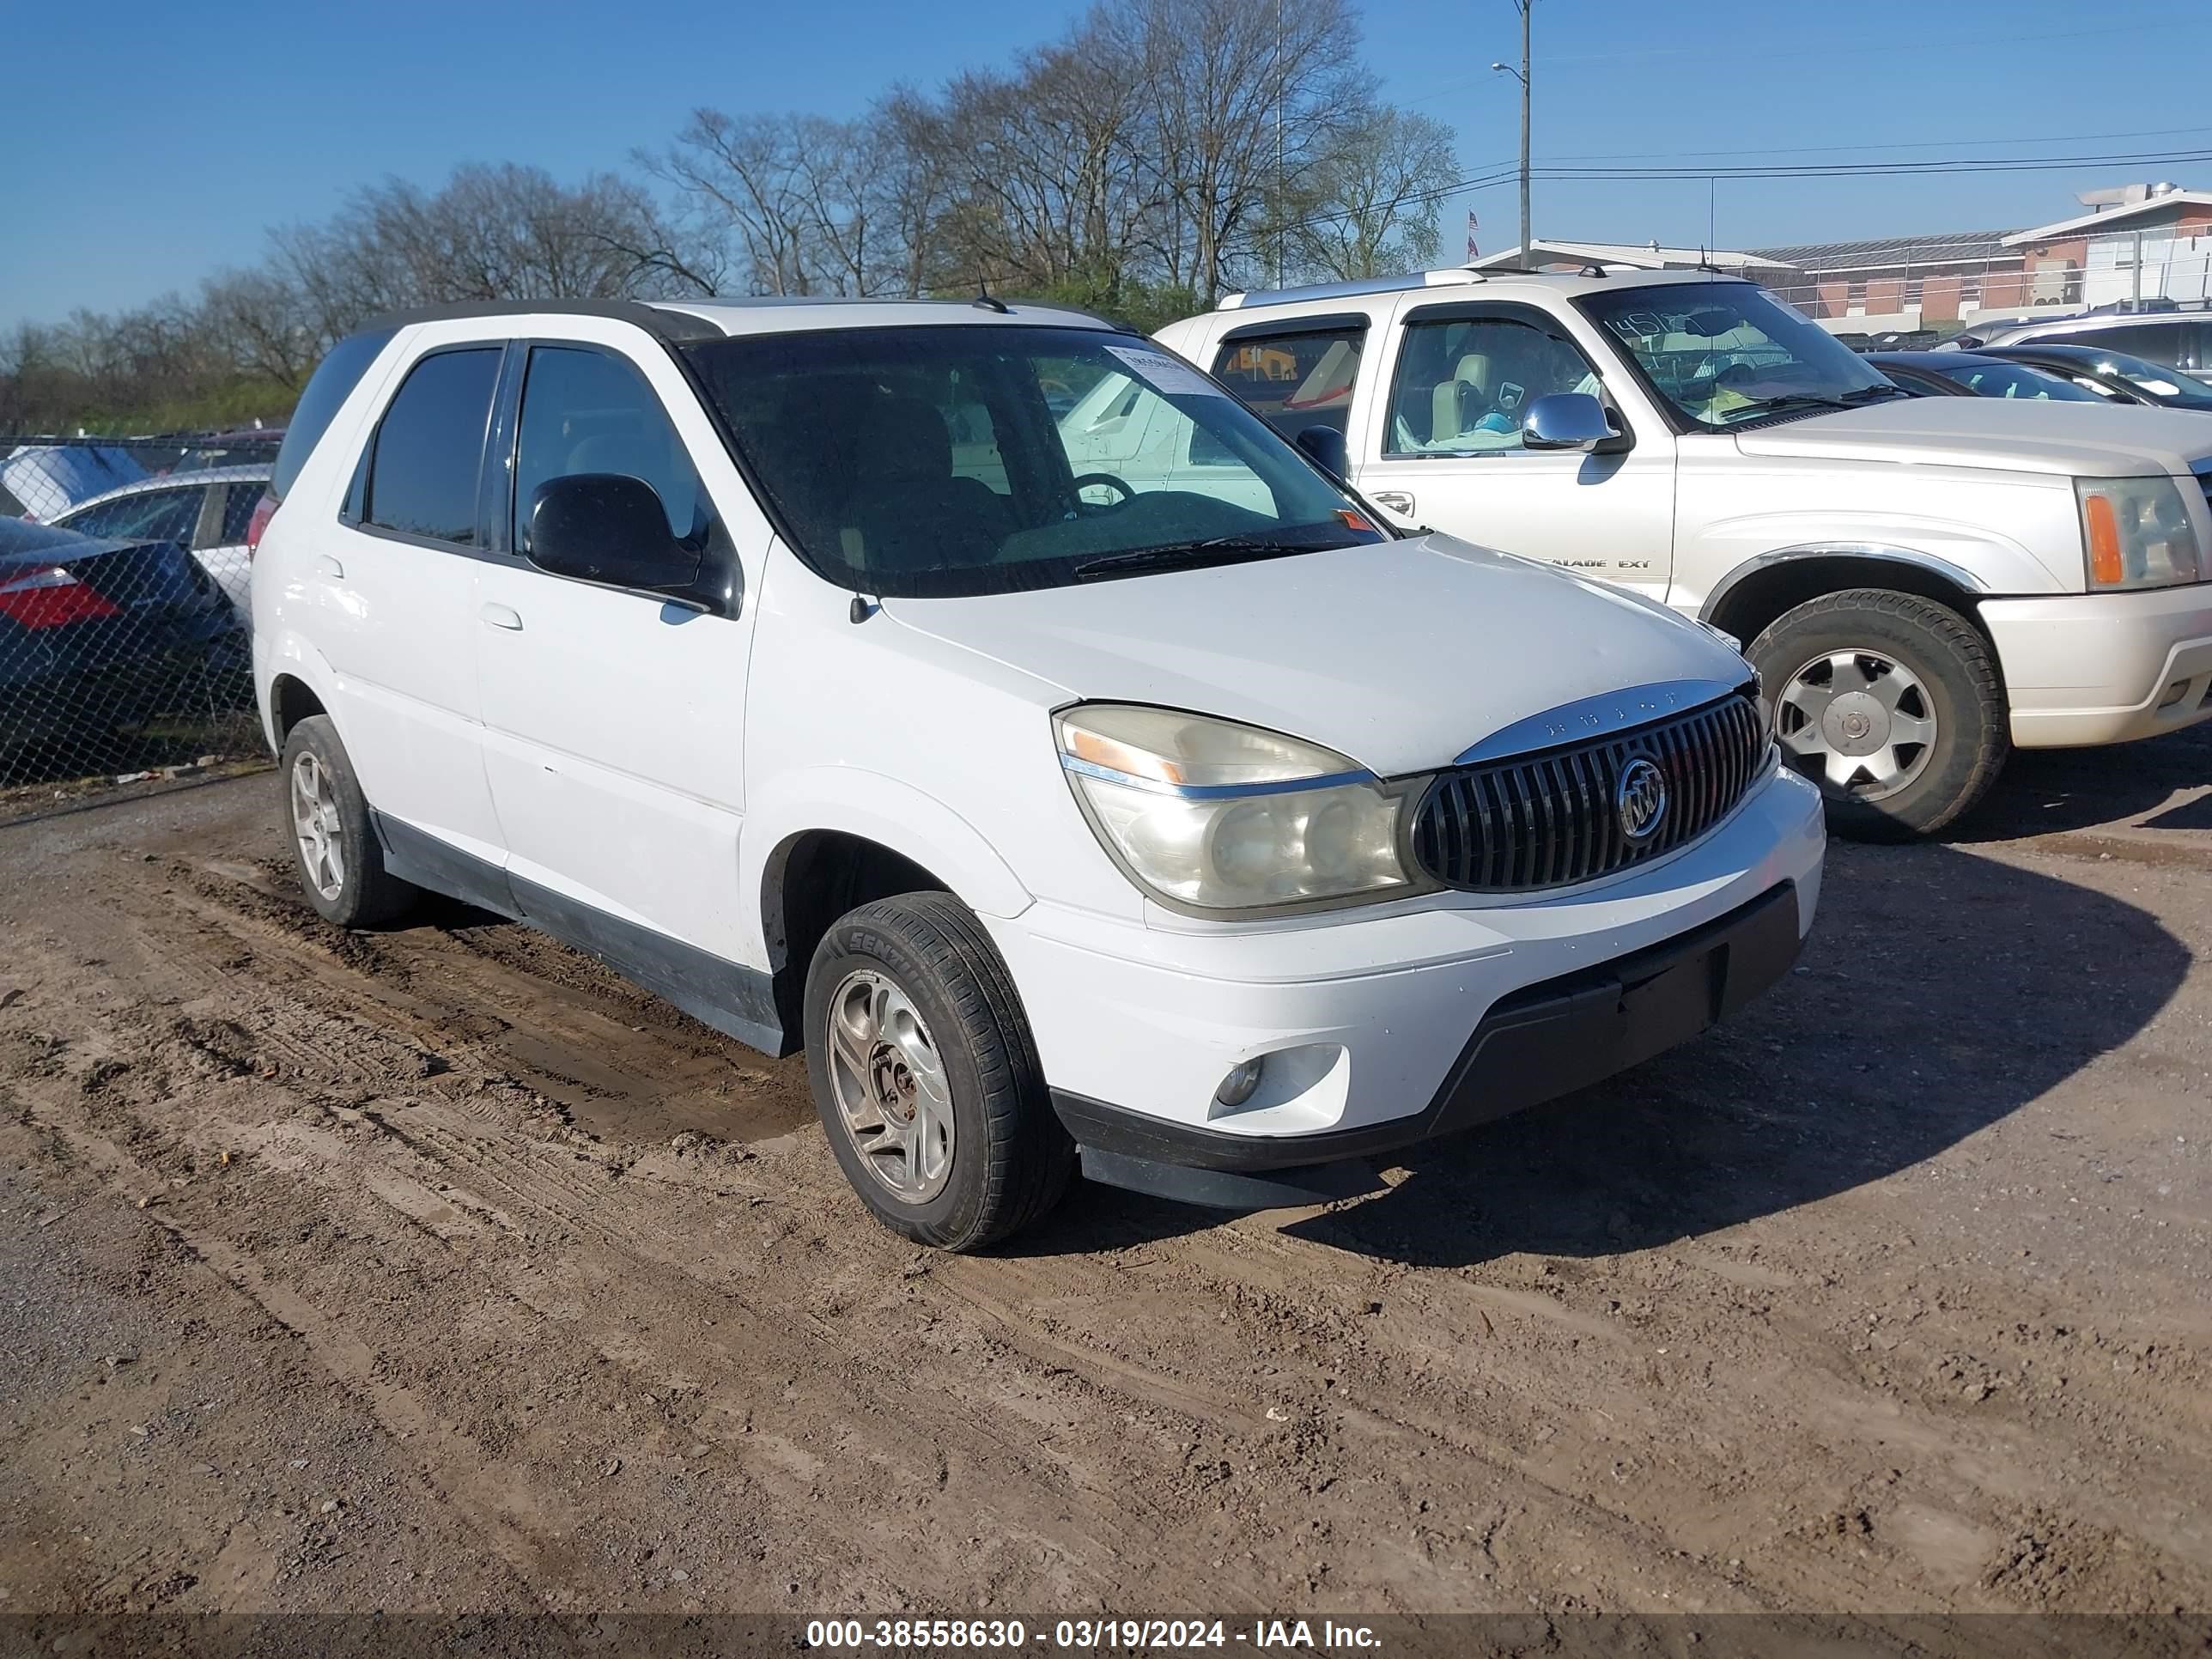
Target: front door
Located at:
point(1440, 446)
point(614, 721)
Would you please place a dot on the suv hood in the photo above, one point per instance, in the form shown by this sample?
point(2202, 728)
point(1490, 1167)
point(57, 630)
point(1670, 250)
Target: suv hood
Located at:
point(1401, 654)
point(2004, 433)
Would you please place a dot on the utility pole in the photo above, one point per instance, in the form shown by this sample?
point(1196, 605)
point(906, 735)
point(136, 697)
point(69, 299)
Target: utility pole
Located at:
point(1522, 75)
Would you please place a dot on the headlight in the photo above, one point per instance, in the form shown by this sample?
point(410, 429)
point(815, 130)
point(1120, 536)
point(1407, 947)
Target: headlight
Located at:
point(2136, 532)
point(1210, 815)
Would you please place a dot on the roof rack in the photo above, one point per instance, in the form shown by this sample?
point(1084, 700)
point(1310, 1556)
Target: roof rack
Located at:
point(1450, 277)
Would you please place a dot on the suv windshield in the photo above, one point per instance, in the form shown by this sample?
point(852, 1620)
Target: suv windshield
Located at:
point(1727, 353)
point(978, 458)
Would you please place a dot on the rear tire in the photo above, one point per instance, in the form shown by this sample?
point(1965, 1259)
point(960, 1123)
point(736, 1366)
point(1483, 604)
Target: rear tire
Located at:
point(926, 1077)
point(1892, 704)
point(334, 847)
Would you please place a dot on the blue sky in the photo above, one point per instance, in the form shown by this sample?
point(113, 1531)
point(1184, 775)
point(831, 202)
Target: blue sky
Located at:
point(151, 146)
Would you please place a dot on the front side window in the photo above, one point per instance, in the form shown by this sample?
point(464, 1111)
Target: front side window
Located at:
point(1294, 379)
point(1464, 383)
point(983, 458)
point(152, 515)
point(585, 410)
point(1725, 353)
point(429, 449)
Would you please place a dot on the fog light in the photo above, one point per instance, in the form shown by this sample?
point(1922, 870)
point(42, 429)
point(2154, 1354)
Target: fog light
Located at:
point(2174, 694)
point(1243, 1077)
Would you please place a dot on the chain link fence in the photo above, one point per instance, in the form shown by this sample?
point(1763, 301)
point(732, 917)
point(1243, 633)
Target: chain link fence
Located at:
point(124, 612)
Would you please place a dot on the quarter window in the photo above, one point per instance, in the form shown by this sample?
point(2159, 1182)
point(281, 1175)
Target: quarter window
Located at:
point(1464, 383)
point(422, 472)
point(592, 411)
point(238, 513)
point(1295, 381)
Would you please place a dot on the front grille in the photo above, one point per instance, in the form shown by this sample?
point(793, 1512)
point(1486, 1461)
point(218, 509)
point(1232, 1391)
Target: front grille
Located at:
point(1553, 819)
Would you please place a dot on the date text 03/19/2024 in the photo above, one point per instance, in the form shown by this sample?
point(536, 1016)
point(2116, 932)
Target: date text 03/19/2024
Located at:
point(1111, 1635)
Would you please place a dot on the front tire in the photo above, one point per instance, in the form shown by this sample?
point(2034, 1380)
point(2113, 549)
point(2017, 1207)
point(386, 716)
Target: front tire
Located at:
point(334, 847)
point(1892, 704)
point(925, 1076)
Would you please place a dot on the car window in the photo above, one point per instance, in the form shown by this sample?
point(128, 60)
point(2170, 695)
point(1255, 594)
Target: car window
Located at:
point(429, 449)
point(152, 515)
point(2018, 380)
point(1462, 384)
point(238, 513)
point(1724, 352)
point(934, 462)
point(1293, 380)
point(328, 387)
point(592, 411)
point(2160, 342)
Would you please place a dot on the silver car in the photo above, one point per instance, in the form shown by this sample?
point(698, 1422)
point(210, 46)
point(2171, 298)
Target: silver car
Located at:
point(207, 511)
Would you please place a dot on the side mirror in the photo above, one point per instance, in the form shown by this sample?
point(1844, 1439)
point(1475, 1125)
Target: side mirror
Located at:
point(1325, 447)
point(1566, 420)
point(607, 527)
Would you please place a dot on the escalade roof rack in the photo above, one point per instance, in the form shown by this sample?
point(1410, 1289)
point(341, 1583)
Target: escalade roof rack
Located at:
point(1450, 277)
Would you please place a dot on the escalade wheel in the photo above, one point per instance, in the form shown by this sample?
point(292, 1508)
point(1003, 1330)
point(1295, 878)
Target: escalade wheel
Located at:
point(926, 1076)
point(1891, 703)
point(341, 864)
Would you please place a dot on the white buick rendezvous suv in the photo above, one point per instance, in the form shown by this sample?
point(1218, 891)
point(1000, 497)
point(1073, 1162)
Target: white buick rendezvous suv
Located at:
point(806, 663)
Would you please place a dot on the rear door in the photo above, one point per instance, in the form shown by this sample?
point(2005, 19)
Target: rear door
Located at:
point(614, 720)
point(395, 585)
point(1443, 448)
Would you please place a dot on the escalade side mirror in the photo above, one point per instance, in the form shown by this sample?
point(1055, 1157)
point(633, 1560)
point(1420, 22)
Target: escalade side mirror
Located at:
point(608, 527)
point(1566, 420)
point(1324, 446)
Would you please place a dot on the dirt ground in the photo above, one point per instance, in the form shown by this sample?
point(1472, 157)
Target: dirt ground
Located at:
point(438, 1270)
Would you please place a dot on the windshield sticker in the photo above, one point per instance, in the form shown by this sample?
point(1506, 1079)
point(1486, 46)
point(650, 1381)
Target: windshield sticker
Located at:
point(1165, 374)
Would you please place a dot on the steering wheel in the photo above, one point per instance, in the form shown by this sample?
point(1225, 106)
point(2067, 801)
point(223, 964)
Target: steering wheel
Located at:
point(1735, 372)
point(1082, 481)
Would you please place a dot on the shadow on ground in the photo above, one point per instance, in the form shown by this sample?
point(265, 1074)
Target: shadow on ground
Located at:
point(2044, 790)
point(1939, 993)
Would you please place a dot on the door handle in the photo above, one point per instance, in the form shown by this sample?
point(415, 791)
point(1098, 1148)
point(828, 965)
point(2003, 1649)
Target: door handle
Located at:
point(1398, 501)
point(501, 616)
point(327, 565)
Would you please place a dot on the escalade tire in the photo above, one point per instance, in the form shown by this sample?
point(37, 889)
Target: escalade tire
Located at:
point(336, 852)
point(1904, 687)
point(926, 1077)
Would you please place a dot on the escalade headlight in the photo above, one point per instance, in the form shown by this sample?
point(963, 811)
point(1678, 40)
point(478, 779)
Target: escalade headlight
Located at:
point(2136, 532)
point(1212, 816)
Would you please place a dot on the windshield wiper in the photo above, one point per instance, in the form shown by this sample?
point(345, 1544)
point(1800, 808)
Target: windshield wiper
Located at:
point(1789, 400)
point(1185, 556)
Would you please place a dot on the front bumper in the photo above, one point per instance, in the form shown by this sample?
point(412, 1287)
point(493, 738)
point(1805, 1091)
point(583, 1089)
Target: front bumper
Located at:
point(2096, 668)
point(1365, 1022)
point(1540, 1043)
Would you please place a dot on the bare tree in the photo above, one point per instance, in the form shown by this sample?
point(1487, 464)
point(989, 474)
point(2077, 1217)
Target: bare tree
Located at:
point(1374, 196)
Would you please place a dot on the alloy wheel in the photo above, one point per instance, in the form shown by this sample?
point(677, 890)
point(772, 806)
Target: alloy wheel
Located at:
point(894, 1099)
point(1860, 724)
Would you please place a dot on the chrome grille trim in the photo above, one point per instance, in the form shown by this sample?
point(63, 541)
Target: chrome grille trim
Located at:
point(1524, 822)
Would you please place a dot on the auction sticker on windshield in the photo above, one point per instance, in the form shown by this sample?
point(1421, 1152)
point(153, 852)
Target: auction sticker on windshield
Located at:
point(1165, 374)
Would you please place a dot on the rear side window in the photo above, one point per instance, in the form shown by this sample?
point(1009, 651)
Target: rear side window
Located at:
point(429, 449)
point(328, 387)
point(2160, 342)
point(1294, 380)
point(152, 515)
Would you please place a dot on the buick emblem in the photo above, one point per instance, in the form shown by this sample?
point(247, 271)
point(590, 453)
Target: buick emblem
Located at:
point(1640, 798)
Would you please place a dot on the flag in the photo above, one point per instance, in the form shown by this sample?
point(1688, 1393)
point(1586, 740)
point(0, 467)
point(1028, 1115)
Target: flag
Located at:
point(1473, 253)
